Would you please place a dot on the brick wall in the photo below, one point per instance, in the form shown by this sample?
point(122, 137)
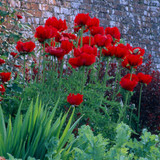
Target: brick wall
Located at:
point(138, 20)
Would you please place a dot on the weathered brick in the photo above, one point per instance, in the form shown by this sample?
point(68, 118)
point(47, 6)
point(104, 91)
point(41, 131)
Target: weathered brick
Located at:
point(38, 14)
point(43, 7)
point(47, 14)
point(28, 5)
point(32, 12)
point(138, 20)
point(34, 6)
point(52, 2)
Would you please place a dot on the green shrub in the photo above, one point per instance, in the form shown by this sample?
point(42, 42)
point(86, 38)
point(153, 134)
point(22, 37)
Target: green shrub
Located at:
point(147, 148)
point(86, 146)
point(28, 136)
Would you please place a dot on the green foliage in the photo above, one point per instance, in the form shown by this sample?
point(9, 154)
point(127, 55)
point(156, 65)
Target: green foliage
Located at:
point(125, 148)
point(84, 147)
point(87, 146)
point(27, 136)
point(10, 35)
point(12, 158)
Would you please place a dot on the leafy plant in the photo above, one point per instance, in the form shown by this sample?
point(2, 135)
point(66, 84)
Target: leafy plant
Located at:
point(27, 136)
point(12, 158)
point(84, 147)
point(147, 147)
point(150, 118)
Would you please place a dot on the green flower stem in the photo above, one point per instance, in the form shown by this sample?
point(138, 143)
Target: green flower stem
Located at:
point(106, 72)
point(43, 62)
point(55, 65)
point(123, 110)
point(83, 79)
point(99, 66)
point(125, 105)
point(139, 105)
point(81, 35)
point(52, 70)
point(52, 63)
point(131, 73)
point(77, 41)
point(60, 77)
point(118, 73)
point(39, 70)
point(130, 121)
point(90, 38)
point(24, 69)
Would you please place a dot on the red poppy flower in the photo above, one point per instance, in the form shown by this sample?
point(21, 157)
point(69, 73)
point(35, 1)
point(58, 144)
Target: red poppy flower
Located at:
point(121, 51)
point(75, 99)
point(5, 76)
point(134, 60)
point(110, 51)
point(97, 30)
point(52, 43)
point(46, 32)
point(138, 51)
point(85, 49)
point(57, 52)
point(76, 29)
point(83, 59)
point(130, 48)
point(17, 66)
point(25, 47)
point(125, 64)
point(60, 25)
point(81, 19)
point(2, 61)
point(90, 50)
point(114, 32)
point(77, 52)
point(67, 46)
point(128, 84)
point(86, 40)
point(67, 36)
point(102, 41)
point(19, 16)
point(15, 55)
point(35, 70)
point(78, 114)
point(133, 78)
point(93, 22)
point(144, 78)
point(2, 89)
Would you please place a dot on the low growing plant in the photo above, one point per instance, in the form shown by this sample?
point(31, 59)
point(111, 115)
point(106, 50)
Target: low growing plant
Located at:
point(28, 134)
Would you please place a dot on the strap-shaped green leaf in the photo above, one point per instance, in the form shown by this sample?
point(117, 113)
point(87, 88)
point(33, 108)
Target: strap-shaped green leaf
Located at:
point(2, 125)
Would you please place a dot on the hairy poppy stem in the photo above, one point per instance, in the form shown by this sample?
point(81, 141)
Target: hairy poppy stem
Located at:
point(24, 70)
point(106, 72)
point(130, 121)
point(123, 110)
point(81, 35)
point(118, 73)
point(83, 79)
point(125, 105)
point(90, 38)
point(131, 73)
point(39, 65)
point(139, 105)
point(99, 66)
point(60, 77)
point(43, 62)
